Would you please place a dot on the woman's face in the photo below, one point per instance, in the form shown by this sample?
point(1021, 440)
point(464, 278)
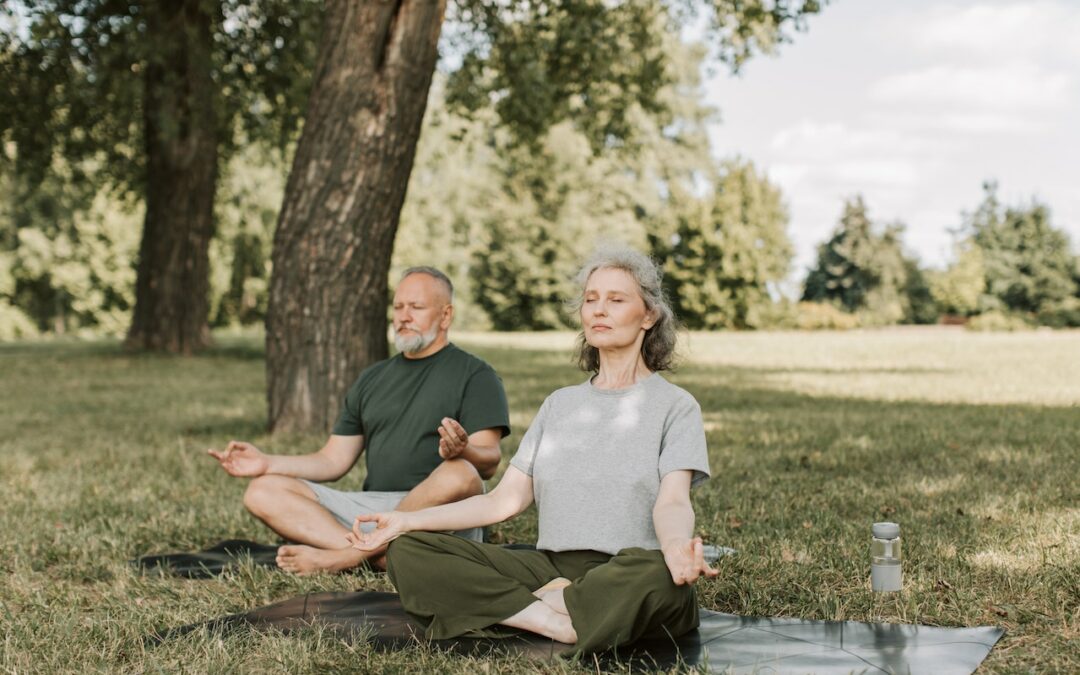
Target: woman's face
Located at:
point(613, 312)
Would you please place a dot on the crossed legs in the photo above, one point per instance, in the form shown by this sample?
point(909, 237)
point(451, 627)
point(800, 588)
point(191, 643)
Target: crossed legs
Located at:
point(291, 509)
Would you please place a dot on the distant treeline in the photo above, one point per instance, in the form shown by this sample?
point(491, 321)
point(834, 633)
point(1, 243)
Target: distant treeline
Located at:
point(510, 221)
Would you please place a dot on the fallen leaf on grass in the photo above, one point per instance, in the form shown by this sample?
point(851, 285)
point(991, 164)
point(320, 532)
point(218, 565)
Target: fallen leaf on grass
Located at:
point(734, 522)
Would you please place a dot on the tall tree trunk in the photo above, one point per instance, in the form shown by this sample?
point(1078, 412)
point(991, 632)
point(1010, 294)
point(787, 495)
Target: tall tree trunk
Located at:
point(328, 296)
point(172, 284)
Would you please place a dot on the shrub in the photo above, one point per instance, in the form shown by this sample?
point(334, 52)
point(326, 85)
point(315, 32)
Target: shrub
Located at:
point(998, 321)
point(823, 316)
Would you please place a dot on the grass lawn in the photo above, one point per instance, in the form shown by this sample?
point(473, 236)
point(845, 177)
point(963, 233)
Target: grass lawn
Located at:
point(970, 441)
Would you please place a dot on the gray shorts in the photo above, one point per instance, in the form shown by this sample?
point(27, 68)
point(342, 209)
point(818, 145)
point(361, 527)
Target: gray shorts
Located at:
point(346, 506)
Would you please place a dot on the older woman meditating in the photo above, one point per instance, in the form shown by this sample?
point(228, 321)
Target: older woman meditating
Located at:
point(610, 463)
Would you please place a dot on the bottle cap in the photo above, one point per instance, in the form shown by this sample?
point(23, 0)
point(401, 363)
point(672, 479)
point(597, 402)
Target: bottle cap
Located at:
point(886, 530)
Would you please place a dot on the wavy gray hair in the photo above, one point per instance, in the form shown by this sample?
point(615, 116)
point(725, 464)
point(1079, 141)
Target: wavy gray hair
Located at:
point(658, 349)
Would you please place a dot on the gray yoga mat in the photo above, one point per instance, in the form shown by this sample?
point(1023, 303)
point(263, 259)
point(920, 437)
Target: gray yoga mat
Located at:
point(724, 643)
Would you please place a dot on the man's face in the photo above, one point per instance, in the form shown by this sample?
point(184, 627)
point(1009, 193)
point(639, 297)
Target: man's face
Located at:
point(421, 312)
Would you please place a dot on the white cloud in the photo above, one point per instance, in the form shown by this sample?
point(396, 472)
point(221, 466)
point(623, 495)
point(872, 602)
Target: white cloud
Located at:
point(943, 95)
point(1010, 87)
point(984, 123)
point(835, 139)
point(1003, 31)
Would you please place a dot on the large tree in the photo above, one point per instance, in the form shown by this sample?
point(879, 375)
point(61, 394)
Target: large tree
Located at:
point(148, 97)
point(861, 268)
point(1028, 262)
point(723, 255)
point(536, 62)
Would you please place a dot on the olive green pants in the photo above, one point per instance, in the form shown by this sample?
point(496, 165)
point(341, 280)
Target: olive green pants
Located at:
point(457, 587)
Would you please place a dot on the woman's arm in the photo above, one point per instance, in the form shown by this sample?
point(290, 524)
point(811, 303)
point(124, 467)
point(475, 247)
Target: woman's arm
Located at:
point(673, 519)
point(510, 497)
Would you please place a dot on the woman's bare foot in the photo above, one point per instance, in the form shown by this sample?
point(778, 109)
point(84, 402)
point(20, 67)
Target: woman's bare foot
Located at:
point(541, 619)
point(551, 594)
point(301, 559)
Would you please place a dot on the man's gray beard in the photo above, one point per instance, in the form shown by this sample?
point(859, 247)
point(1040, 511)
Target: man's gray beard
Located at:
point(412, 344)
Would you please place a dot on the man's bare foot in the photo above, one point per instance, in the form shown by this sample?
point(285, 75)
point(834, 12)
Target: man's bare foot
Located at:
point(301, 559)
point(551, 594)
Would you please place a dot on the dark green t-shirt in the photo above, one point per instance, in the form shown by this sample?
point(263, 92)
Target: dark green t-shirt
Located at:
point(397, 405)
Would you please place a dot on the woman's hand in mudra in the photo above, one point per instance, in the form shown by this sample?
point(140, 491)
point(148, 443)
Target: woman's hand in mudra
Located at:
point(388, 527)
point(686, 561)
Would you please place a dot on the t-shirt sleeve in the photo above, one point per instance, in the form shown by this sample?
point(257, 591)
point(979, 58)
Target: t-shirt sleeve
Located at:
point(483, 404)
point(349, 422)
point(683, 446)
point(525, 457)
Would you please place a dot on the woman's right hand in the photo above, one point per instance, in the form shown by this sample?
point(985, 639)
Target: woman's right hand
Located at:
point(388, 527)
point(686, 561)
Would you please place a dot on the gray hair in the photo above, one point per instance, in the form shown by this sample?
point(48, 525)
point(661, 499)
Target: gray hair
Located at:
point(658, 349)
point(436, 274)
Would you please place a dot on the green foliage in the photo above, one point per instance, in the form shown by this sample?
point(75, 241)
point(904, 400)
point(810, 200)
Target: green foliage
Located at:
point(1028, 264)
point(721, 254)
point(69, 255)
point(67, 260)
point(958, 288)
point(555, 204)
point(862, 269)
point(591, 62)
point(510, 223)
point(73, 70)
point(920, 307)
point(247, 208)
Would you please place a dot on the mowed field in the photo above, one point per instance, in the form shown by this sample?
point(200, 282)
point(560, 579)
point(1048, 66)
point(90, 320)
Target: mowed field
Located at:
point(970, 441)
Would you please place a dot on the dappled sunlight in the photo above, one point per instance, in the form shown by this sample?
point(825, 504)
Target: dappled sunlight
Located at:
point(1050, 537)
point(911, 364)
point(934, 487)
point(1007, 455)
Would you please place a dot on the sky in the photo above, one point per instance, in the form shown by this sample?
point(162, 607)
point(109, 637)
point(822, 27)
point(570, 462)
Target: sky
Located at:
point(914, 105)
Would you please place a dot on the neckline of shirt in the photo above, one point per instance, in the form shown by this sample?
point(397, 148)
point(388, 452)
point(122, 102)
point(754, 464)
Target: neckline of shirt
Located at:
point(622, 391)
point(429, 358)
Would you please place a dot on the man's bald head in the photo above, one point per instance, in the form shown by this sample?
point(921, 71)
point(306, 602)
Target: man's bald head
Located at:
point(445, 285)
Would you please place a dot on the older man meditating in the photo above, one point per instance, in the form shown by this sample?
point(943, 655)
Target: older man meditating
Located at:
point(430, 419)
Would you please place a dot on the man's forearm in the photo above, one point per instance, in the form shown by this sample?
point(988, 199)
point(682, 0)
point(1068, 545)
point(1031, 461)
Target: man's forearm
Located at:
point(314, 467)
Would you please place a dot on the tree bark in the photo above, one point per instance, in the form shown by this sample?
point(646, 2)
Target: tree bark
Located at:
point(327, 315)
point(172, 282)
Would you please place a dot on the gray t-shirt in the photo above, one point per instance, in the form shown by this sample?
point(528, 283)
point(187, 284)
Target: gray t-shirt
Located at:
point(596, 457)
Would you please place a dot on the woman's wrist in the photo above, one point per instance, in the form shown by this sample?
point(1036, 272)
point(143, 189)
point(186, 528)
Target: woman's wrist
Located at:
point(408, 521)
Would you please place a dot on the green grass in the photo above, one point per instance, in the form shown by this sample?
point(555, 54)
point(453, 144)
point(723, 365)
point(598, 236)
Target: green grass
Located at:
point(970, 441)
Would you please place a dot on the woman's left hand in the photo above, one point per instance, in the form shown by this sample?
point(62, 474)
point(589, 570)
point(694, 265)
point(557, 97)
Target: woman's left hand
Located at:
point(686, 561)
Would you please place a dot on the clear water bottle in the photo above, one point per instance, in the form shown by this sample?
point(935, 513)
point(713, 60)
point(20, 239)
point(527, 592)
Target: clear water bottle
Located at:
point(885, 572)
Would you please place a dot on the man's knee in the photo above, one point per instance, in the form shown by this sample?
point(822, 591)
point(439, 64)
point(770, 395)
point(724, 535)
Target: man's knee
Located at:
point(264, 492)
point(460, 478)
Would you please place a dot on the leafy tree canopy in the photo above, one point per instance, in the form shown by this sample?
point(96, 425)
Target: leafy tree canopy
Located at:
point(73, 86)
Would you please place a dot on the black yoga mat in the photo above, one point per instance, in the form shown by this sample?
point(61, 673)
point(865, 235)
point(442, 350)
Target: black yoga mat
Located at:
point(209, 562)
point(723, 643)
point(219, 558)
